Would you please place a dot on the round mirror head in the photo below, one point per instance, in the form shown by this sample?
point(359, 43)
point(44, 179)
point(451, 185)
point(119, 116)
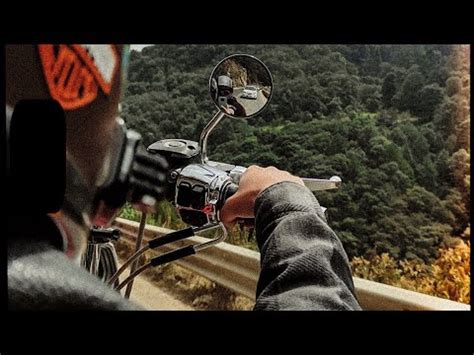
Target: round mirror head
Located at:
point(241, 86)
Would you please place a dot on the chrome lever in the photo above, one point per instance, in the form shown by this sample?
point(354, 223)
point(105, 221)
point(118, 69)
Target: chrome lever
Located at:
point(213, 241)
point(322, 184)
point(311, 183)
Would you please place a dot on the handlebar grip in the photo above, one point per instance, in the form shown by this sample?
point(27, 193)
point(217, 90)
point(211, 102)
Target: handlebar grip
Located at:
point(173, 255)
point(229, 191)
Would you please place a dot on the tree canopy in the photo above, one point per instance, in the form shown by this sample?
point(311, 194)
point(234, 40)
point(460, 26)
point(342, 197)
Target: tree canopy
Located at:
point(391, 120)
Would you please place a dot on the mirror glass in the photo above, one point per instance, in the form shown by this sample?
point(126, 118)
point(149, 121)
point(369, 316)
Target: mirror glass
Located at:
point(241, 85)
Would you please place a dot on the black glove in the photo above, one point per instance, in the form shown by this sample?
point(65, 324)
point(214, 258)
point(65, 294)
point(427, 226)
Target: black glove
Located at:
point(148, 177)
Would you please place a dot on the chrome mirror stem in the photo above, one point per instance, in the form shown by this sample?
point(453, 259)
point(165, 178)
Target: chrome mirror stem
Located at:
point(205, 135)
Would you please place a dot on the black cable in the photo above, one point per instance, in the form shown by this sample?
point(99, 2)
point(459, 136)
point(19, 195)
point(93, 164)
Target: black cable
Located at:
point(130, 260)
point(133, 275)
point(171, 237)
point(160, 260)
point(152, 244)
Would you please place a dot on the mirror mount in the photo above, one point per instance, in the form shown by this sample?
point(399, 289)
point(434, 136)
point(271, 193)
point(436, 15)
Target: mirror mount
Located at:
point(205, 135)
point(237, 85)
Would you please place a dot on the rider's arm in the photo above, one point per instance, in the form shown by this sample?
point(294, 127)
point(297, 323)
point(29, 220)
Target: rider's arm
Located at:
point(303, 263)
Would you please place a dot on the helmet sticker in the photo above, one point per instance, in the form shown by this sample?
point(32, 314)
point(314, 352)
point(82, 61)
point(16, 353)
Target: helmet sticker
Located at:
point(74, 73)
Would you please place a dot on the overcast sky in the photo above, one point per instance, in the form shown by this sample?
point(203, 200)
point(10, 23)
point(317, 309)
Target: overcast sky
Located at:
point(139, 47)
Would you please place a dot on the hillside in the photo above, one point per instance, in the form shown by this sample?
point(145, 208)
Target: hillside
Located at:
point(392, 121)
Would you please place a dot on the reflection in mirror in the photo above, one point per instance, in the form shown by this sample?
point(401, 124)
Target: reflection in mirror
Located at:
point(241, 85)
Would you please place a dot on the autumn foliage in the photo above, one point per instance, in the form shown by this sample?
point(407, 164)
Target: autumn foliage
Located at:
point(449, 276)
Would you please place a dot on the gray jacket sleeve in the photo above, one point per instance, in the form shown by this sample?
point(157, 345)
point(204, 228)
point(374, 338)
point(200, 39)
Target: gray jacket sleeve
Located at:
point(303, 263)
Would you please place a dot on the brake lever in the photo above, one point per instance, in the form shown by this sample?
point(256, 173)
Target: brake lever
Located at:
point(314, 184)
point(322, 184)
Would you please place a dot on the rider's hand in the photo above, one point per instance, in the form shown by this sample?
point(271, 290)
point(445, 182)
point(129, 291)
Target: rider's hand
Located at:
point(253, 181)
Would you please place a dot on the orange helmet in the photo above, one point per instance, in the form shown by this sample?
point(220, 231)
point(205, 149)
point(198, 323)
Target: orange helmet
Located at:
point(85, 79)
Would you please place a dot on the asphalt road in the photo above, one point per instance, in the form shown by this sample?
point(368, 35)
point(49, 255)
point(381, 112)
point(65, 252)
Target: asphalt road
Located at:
point(151, 297)
point(251, 105)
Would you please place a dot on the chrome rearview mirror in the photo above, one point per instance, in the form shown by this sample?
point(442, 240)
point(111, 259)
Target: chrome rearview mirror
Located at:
point(241, 86)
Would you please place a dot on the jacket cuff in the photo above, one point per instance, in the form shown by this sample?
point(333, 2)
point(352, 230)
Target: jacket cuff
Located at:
point(281, 200)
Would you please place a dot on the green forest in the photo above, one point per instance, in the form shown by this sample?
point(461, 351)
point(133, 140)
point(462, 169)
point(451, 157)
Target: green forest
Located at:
point(392, 121)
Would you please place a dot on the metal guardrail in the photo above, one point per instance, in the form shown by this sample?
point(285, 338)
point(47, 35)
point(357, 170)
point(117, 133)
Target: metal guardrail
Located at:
point(238, 269)
point(233, 267)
